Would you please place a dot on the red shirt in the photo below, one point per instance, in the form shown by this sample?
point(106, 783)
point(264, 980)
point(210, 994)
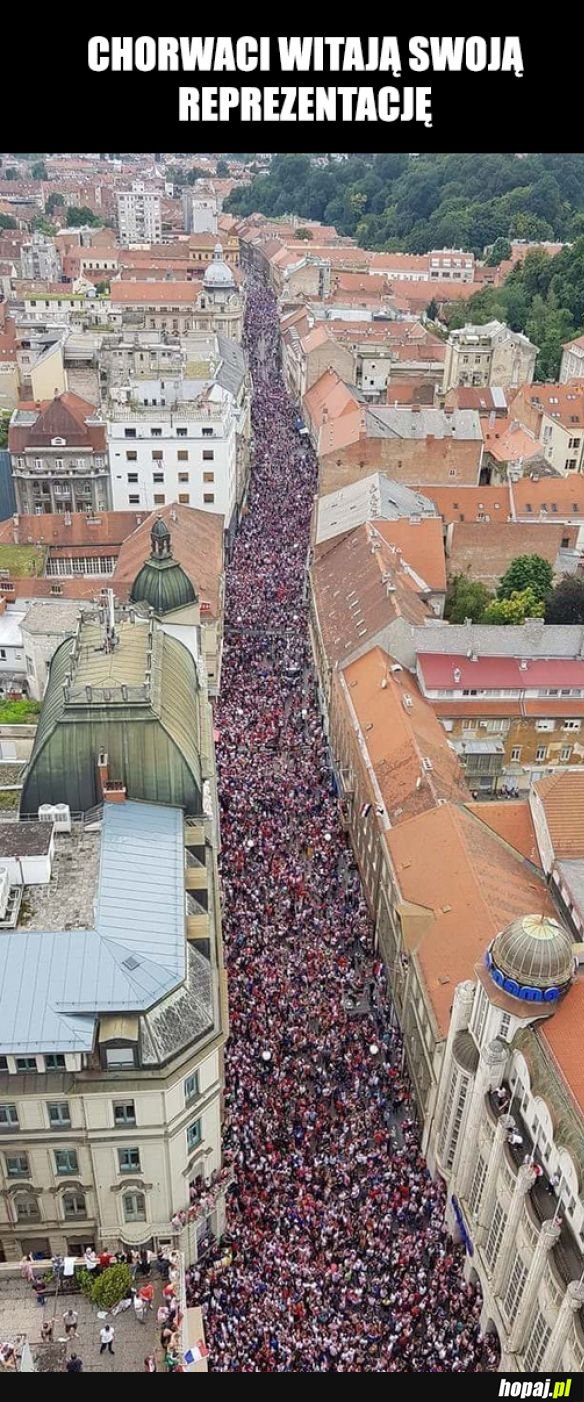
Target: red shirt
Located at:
point(105, 1259)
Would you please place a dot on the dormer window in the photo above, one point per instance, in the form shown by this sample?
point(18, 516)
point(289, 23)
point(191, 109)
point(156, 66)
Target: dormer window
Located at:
point(58, 442)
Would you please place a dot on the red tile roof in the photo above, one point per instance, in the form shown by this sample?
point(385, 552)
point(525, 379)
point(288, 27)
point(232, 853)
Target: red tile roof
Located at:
point(494, 673)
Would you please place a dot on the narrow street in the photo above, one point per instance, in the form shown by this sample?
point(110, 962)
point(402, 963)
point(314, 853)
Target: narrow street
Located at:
point(340, 1257)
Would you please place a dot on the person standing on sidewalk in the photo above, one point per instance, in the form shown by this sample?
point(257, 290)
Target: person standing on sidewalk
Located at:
point(106, 1339)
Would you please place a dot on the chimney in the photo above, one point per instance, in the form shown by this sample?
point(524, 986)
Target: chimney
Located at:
point(102, 772)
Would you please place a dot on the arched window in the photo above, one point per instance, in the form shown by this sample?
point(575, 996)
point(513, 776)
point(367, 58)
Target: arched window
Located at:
point(134, 1207)
point(27, 1208)
point(74, 1204)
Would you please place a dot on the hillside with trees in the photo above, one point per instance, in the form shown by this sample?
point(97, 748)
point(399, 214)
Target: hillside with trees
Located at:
point(394, 201)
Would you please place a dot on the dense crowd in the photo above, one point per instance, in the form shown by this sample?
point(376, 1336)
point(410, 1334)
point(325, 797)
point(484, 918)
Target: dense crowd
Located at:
point(338, 1258)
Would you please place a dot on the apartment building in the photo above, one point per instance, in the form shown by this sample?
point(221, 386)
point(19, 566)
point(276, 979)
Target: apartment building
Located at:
point(513, 715)
point(572, 365)
point(199, 203)
point(111, 1046)
point(183, 450)
point(59, 457)
point(488, 355)
point(39, 258)
point(555, 416)
point(179, 308)
point(507, 1120)
point(139, 215)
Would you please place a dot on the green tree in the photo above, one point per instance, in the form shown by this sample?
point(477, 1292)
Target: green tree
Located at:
point(7, 222)
point(432, 310)
point(102, 288)
point(527, 572)
point(39, 171)
point(11, 173)
point(500, 251)
point(111, 1286)
point(54, 201)
point(40, 225)
point(515, 608)
point(565, 604)
point(4, 422)
point(305, 234)
point(222, 169)
point(466, 598)
point(76, 216)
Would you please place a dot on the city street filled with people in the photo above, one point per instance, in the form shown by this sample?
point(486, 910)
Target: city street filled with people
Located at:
point(336, 1256)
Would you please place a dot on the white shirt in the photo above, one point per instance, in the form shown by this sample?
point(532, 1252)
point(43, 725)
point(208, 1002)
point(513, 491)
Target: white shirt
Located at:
point(106, 1334)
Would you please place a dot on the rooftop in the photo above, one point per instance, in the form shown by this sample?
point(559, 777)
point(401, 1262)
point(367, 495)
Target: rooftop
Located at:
point(485, 549)
point(373, 498)
point(359, 591)
point(57, 975)
point(532, 639)
point(562, 799)
point(422, 422)
point(468, 503)
point(481, 673)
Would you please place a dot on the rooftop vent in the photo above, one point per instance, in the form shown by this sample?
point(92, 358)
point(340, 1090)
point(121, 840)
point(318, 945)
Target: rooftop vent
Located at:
point(131, 963)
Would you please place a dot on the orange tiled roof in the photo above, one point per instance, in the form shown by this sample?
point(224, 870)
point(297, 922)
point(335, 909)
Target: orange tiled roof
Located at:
point(512, 820)
point(562, 797)
point(465, 503)
point(400, 739)
point(469, 885)
point(197, 544)
point(421, 544)
point(550, 496)
point(352, 600)
point(146, 292)
point(563, 1034)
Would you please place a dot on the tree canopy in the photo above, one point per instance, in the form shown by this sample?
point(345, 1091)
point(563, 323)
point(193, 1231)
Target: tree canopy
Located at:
point(76, 216)
point(515, 608)
point(466, 598)
point(527, 572)
point(565, 604)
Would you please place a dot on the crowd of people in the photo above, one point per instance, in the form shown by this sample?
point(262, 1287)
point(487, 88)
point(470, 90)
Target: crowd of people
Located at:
point(339, 1259)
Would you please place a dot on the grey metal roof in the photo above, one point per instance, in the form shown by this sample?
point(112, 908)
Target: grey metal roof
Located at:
point(54, 984)
point(532, 639)
point(373, 498)
point(231, 372)
point(420, 423)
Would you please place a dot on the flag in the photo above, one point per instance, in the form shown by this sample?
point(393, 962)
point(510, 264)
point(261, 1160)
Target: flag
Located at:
point(365, 810)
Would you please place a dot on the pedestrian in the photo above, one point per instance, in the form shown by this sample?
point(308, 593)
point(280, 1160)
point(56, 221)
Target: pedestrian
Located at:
point(74, 1364)
point(47, 1331)
point(106, 1339)
point(70, 1320)
point(149, 1363)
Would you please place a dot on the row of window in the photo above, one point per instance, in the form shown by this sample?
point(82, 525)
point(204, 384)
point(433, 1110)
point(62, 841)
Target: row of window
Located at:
point(157, 433)
point(59, 1111)
point(159, 499)
point(159, 477)
point(67, 1163)
point(182, 455)
point(74, 1205)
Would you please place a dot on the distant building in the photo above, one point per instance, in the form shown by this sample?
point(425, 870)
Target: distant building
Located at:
point(39, 259)
point(488, 355)
point(555, 415)
point(572, 366)
point(139, 215)
point(199, 204)
point(59, 456)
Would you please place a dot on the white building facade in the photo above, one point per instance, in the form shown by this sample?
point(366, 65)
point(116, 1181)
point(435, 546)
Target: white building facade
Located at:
point(507, 1137)
point(139, 215)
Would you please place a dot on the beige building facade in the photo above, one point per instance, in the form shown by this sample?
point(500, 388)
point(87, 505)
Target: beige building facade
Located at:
point(488, 355)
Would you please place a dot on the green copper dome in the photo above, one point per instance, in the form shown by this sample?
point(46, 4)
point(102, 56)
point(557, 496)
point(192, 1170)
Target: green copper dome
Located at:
point(162, 582)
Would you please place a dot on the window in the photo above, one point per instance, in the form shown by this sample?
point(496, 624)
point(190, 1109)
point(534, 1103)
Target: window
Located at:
point(55, 1061)
point(512, 1298)
point(158, 477)
point(17, 1165)
point(156, 433)
point(192, 1087)
point(8, 1117)
point(117, 1058)
point(207, 433)
point(134, 500)
point(208, 454)
point(183, 477)
point(66, 1161)
point(182, 433)
point(184, 498)
point(132, 477)
point(157, 454)
point(208, 477)
point(505, 1025)
point(496, 1230)
point(516, 754)
point(537, 1342)
point(134, 1207)
point(545, 724)
point(59, 1115)
point(159, 499)
point(129, 433)
point(124, 1112)
point(183, 455)
point(74, 1204)
point(541, 753)
point(208, 498)
point(476, 1191)
point(571, 725)
point(131, 455)
point(27, 1208)
point(129, 1160)
point(452, 472)
point(26, 1063)
point(194, 1135)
